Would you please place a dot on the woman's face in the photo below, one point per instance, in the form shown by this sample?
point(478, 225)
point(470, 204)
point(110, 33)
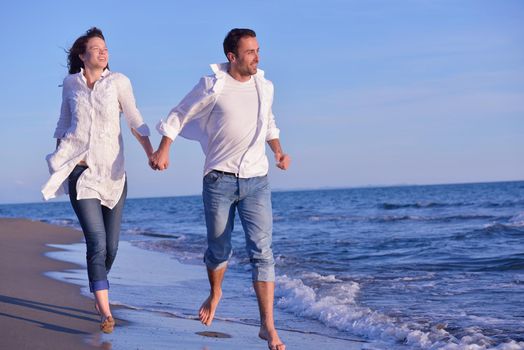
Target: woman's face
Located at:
point(96, 55)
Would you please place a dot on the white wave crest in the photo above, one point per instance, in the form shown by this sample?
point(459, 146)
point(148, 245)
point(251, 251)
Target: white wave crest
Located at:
point(320, 278)
point(337, 307)
point(517, 220)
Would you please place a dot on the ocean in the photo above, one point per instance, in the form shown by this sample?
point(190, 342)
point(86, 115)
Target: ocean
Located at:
point(407, 267)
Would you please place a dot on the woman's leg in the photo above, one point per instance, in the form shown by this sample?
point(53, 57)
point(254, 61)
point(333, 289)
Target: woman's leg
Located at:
point(89, 213)
point(112, 223)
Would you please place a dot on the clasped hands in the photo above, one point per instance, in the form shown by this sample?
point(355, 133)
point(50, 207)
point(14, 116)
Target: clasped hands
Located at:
point(159, 160)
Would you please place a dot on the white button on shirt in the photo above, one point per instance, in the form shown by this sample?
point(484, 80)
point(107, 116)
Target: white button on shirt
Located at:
point(89, 129)
point(231, 120)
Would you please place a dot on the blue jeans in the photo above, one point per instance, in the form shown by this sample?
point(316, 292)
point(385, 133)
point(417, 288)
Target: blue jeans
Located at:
point(223, 194)
point(101, 227)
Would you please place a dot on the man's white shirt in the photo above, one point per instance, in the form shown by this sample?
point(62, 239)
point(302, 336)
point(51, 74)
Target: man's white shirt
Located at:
point(232, 120)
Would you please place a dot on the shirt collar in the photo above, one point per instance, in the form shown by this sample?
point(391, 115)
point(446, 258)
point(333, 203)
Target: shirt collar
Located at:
point(220, 69)
point(105, 73)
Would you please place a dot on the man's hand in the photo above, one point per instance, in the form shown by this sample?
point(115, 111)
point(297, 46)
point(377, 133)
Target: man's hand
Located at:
point(159, 160)
point(283, 160)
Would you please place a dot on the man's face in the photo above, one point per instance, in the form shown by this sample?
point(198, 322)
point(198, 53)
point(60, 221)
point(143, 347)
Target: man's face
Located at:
point(246, 61)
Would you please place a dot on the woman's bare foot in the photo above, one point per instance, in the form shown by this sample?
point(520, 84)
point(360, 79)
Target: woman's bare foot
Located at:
point(208, 308)
point(272, 338)
point(107, 325)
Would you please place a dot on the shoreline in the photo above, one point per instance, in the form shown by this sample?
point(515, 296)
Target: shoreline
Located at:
point(153, 326)
point(42, 305)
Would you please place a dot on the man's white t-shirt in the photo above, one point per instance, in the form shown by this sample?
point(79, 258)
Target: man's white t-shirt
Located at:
point(232, 125)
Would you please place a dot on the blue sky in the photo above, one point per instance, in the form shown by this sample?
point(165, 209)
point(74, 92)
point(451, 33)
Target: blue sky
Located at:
point(366, 92)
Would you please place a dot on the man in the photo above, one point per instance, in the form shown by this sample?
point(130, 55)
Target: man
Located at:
point(230, 114)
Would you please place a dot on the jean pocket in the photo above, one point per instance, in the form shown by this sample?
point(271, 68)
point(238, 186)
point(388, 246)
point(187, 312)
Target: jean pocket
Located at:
point(211, 177)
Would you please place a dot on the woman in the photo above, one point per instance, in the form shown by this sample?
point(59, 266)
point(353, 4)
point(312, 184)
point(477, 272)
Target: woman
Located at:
point(88, 162)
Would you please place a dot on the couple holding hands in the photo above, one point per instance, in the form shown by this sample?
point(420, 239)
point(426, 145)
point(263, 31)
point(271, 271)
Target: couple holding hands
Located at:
point(229, 112)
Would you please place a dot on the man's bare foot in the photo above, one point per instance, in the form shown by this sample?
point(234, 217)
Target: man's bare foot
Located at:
point(273, 341)
point(208, 308)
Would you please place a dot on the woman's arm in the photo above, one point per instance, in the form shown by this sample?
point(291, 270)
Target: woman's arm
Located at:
point(133, 117)
point(145, 142)
point(64, 121)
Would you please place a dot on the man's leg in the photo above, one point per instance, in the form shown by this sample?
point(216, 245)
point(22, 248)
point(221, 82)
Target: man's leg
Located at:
point(220, 196)
point(254, 209)
point(265, 292)
point(209, 306)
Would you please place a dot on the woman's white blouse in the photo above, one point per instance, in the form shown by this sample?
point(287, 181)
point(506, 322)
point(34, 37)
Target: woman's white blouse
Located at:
point(89, 130)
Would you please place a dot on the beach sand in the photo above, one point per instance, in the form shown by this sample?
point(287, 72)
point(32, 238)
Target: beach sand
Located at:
point(39, 312)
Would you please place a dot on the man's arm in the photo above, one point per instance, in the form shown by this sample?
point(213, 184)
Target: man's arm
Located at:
point(190, 107)
point(283, 160)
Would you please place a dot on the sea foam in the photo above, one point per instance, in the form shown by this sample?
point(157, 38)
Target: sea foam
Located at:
point(337, 307)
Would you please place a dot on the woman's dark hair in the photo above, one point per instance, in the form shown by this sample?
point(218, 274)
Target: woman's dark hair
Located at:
point(233, 37)
point(74, 63)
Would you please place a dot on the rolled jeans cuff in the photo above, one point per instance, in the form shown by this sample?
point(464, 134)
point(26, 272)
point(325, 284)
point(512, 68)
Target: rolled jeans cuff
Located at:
point(263, 273)
point(98, 285)
point(212, 266)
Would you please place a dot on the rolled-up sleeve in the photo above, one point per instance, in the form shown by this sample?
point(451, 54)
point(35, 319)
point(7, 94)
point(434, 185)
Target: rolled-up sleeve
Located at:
point(272, 131)
point(190, 106)
point(64, 121)
point(126, 98)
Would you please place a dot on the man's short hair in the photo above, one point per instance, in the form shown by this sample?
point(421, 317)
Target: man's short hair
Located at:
point(233, 37)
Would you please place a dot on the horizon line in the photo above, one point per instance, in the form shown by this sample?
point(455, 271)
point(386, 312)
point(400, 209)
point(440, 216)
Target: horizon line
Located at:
point(298, 189)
